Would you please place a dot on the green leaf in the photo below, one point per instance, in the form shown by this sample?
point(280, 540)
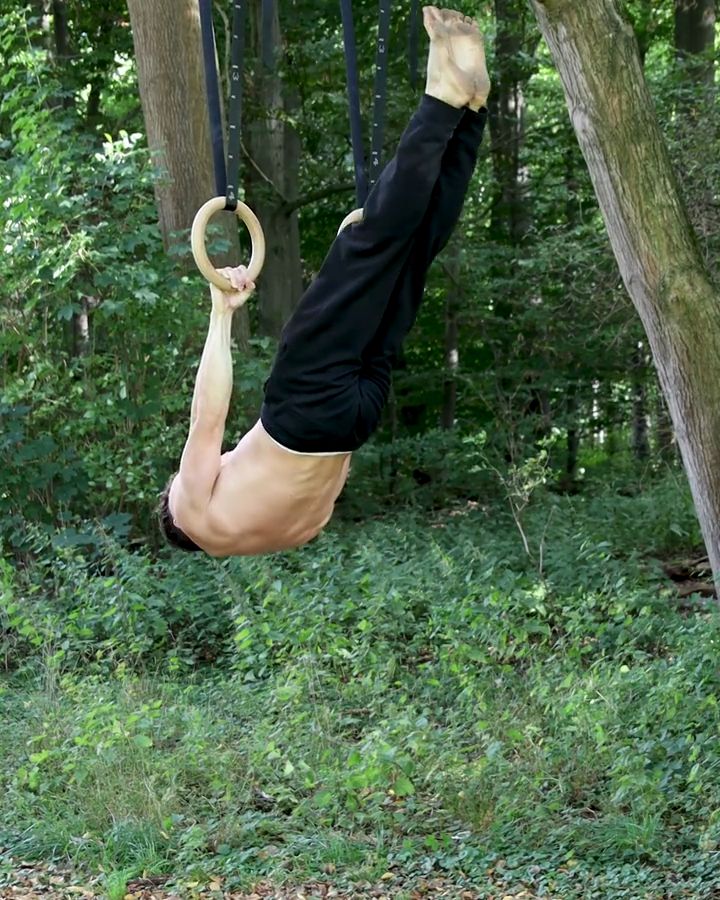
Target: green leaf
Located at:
point(404, 787)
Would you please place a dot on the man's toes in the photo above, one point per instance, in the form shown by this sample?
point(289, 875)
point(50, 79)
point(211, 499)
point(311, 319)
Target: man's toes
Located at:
point(466, 24)
point(431, 17)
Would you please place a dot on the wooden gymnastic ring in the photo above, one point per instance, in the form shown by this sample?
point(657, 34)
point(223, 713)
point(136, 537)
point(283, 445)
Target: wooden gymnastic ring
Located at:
point(197, 240)
point(351, 218)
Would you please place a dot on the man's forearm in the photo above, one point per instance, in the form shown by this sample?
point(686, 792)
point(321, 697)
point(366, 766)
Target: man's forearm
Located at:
point(213, 384)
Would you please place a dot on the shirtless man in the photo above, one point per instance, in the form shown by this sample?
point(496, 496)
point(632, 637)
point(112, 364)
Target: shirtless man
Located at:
point(331, 376)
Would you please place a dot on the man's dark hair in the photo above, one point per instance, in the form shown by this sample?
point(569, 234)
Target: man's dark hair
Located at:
point(172, 534)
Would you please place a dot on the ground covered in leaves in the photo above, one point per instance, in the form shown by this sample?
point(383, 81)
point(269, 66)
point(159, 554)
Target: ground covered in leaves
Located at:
point(25, 880)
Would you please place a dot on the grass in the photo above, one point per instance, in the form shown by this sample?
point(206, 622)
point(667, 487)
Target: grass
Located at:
point(408, 694)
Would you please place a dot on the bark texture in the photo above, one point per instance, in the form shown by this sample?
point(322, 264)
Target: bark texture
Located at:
point(695, 36)
point(573, 437)
point(640, 440)
point(168, 51)
point(166, 35)
point(611, 110)
point(510, 217)
point(452, 338)
point(271, 180)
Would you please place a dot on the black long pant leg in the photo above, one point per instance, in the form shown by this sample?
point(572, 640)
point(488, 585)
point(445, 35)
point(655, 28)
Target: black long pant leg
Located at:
point(312, 398)
point(446, 205)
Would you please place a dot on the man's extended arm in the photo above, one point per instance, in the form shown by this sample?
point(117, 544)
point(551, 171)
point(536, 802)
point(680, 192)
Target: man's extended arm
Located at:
point(200, 462)
point(213, 383)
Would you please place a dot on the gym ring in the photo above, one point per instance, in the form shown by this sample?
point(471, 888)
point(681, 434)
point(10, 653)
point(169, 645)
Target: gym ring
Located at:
point(197, 239)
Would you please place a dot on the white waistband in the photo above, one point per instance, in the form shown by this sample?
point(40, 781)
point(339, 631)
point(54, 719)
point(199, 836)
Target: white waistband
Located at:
point(302, 453)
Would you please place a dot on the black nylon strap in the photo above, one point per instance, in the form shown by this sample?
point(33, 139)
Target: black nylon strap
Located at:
point(380, 94)
point(213, 95)
point(235, 105)
point(361, 185)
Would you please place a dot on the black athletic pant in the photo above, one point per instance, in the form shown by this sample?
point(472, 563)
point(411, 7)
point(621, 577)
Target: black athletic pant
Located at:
point(331, 375)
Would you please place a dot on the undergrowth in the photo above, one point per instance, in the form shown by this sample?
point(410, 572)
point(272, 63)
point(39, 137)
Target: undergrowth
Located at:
point(413, 693)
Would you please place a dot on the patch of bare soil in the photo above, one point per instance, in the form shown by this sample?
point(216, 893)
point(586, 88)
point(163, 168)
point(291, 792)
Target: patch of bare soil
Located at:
point(691, 576)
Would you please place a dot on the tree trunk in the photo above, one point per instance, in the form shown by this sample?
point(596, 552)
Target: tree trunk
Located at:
point(648, 227)
point(573, 211)
point(511, 213)
point(573, 436)
point(92, 112)
point(166, 35)
point(664, 434)
point(510, 217)
point(79, 334)
point(60, 30)
point(694, 37)
point(81, 329)
point(272, 180)
point(452, 350)
point(168, 51)
point(640, 442)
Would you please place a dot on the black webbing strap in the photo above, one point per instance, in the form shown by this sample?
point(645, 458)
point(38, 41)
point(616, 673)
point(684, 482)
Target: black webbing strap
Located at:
point(213, 95)
point(413, 40)
point(235, 106)
point(380, 93)
point(361, 187)
point(226, 176)
point(267, 16)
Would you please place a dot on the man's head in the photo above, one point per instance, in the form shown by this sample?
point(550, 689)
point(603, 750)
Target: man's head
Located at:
point(172, 534)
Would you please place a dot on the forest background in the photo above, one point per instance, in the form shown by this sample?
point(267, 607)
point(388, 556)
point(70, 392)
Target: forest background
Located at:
point(486, 643)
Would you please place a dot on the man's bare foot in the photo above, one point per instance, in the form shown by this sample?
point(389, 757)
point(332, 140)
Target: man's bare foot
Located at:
point(457, 73)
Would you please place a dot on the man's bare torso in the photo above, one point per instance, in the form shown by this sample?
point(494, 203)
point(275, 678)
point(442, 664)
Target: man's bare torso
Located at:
point(265, 498)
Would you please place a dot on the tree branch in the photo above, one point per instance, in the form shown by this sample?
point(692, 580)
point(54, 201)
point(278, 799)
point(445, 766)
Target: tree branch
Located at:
point(265, 177)
point(290, 206)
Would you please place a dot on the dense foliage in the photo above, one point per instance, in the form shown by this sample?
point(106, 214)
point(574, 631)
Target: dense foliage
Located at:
point(481, 659)
point(415, 695)
point(101, 331)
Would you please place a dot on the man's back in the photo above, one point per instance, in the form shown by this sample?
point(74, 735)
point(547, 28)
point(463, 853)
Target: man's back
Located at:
point(265, 498)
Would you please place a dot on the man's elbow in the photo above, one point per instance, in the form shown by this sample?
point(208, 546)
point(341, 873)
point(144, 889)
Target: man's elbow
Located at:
point(209, 423)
